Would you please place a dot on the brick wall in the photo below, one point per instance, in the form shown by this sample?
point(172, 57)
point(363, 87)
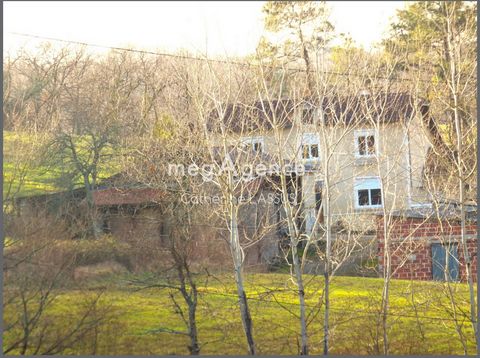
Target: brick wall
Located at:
point(410, 246)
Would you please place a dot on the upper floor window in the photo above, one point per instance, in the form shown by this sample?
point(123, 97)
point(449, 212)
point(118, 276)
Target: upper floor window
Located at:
point(368, 193)
point(255, 144)
point(310, 146)
point(365, 143)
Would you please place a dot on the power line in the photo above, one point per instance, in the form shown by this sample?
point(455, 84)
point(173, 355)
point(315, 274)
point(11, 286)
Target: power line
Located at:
point(186, 57)
point(165, 54)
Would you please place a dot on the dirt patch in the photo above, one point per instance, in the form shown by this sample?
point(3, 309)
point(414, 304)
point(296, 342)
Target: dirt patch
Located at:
point(97, 270)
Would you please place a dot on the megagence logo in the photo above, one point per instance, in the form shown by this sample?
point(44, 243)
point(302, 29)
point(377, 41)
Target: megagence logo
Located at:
point(245, 172)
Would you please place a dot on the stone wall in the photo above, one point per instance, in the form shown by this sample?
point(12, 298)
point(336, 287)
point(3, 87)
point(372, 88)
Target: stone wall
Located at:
point(143, 231)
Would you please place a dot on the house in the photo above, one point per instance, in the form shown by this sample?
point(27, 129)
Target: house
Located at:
point(425, 243)
point(56, 202)
point(378, 148)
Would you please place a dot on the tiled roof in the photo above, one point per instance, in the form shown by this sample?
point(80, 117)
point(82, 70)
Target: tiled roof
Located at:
point(386, 107)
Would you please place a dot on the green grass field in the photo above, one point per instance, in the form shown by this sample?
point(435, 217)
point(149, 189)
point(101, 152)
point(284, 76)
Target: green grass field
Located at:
point(26, 173)
point(418, 325)
point(21, 175)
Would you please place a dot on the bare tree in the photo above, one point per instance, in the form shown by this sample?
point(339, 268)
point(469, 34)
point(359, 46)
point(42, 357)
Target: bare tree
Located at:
point(225, 133)
point(34, 276)
point(178, 221)
point(458, 83)
point(443, 57)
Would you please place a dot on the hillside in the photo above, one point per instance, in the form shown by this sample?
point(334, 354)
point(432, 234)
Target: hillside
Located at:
point(28, 171)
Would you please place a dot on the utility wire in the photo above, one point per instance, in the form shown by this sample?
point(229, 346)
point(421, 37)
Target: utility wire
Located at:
point(186, 57)
point(165, 54)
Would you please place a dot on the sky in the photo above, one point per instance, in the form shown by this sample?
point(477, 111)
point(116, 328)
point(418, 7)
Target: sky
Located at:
point(214, 28)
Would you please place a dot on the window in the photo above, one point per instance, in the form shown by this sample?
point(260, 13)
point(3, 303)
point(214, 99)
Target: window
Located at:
point(365, 143)
point(310, 146)
point(310, 151)
point(258, 147)
point(318, 194)
point(255, 144)
point(368, 193)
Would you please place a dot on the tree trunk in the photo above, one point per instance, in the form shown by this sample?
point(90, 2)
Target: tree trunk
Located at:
point(385, 306)
point(292, 230)
point(301, 299)
point(194, 346)
point(328, 227)
point(237, 255)
point(91, 208)
point(328, 238)
point(308, 66)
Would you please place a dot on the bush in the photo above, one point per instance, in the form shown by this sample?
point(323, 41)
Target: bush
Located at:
point(94, 251)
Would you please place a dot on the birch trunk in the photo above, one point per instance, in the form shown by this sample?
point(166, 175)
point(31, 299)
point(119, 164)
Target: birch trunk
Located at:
point(296, 265)
point(328, 228)
point(237, 254)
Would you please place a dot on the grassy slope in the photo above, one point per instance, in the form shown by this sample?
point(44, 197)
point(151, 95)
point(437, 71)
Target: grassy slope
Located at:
point(354, 303)
point(39, 179)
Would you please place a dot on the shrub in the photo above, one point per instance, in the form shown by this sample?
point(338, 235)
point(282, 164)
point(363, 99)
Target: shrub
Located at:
point(94, 251)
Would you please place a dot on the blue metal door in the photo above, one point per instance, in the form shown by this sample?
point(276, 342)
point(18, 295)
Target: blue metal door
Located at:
point(445, 262)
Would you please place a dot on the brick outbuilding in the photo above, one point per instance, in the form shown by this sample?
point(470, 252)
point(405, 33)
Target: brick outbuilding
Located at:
point(426, 244)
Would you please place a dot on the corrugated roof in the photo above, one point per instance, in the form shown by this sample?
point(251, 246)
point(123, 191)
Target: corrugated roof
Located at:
point(445, 212)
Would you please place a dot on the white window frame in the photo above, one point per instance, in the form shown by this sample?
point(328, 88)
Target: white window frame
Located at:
point(254, 140)
point(365, 133)
point(367, 183)
point(309, 139)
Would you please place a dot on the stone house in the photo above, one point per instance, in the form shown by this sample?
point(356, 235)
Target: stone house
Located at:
point(380, 149)
point(377, 160)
